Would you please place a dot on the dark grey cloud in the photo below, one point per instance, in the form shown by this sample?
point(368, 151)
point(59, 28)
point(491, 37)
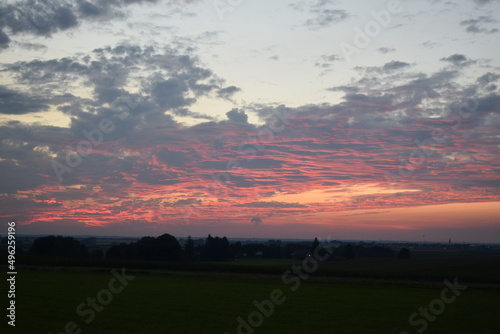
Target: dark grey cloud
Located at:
point(228, 92)
point(150, 148)
point(4, 40)
point(455, 59)
point(484, 2)
point(172, 83)
point(458, 60)
point(386, 50)
point(325, 18)
point(430, 44)
point(395, 65)
point(344, 88)
point(14, 102)
point(89, 9)
point(388, 68)
point(323, 13)
point(326, 61)
point(488, 78)
point(169, 82)
point(172, 158)
point(237, 116)
point(372, 101)
point(47, 17)
point(477, 25)
point(15, 208)
point(185, 112)
point(172, 93)
point(25, 155)
point(271, 205)
point(30, 46)
point(42, 18)
point(256, 220)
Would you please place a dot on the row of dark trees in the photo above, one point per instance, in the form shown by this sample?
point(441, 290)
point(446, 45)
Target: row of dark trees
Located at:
point(163, 248)
point(58, 246)
point(167, 248)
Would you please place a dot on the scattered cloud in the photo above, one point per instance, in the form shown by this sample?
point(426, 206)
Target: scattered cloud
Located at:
point(385, 50)
point(431, 44)
point(477, 25)
point(323, 12)
point(256, 220)
point(395, 65)
point(458, 60)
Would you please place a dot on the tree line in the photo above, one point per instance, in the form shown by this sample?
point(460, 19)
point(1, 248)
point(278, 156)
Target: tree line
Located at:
point(167, 248)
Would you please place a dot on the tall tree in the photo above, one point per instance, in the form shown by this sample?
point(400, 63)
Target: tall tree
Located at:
point(404, 253)
point(348, 251)
point(189, 248)
point(58, 246)
point(315, 246)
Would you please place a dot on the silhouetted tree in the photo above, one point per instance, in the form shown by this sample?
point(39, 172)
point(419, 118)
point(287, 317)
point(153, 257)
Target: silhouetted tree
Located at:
point(314, 246)
point(217, 249)
point(348, 251)
point(236, 249)
point(120, 251)
point(164, 248)
point(250, 250)
point(96, 254)
point(375, 251)
point(404, 253)
point(292, 249)
point(168, 248)
point(58, 246)
point(189, 248)
point(272, 251)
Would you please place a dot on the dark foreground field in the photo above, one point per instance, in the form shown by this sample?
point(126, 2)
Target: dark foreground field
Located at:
point(210, 302)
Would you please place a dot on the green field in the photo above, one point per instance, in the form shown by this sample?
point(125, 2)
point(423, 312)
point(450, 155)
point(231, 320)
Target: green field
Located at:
point(207, 302)
point(478, 268)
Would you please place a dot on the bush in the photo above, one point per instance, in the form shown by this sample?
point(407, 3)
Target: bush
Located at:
point(404, 254)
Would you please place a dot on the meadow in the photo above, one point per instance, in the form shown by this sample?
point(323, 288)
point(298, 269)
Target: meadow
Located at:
point(358, 296)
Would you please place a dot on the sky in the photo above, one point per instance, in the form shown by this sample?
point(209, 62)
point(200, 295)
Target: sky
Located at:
point(366, 119)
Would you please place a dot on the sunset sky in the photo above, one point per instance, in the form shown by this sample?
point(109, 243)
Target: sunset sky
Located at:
point(375, 120)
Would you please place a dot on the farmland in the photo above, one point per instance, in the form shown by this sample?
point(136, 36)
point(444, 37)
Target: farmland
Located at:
point(358, 296)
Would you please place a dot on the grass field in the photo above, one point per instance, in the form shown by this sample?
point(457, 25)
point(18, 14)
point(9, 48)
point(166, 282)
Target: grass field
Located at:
point(156, 302)
point(430, 267)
